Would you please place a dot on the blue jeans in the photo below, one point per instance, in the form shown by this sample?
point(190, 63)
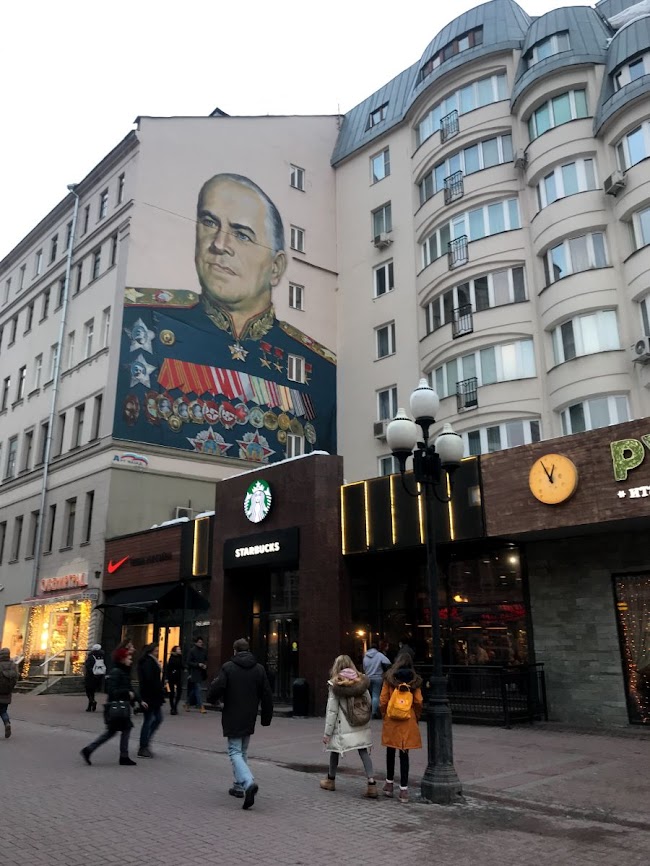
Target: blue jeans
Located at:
point(238, 754)
point(150, 723)
point(375, 692)
point(196, 690)
point(4, 715)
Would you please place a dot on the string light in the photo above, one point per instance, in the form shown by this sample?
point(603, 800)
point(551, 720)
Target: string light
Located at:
point(633, 606)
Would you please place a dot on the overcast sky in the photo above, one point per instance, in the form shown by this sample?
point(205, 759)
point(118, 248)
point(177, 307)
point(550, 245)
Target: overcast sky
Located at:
point(75, 74)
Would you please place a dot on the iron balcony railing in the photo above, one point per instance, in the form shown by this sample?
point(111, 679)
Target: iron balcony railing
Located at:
point(467, 394)
point(454, 187)
point(462, 321)
point(457, 252)
point(449, 126)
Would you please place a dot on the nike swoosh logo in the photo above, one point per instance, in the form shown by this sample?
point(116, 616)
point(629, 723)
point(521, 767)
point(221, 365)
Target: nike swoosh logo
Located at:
point(113, 566)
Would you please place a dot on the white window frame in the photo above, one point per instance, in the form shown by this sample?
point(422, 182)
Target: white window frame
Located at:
point(12, 457)
point(54, 246)
point(566, 245)
point(297, 177)
point(295, 368)
point(430, 123)
point(574, 115)
point(295, 445)
point(70, 350)
point(524, 361)
point(389, 328)
point(7, 291)
point(388, 270)
point(297, 239)
point(644, 310)
point(585, 175)
point(53, 352)
point(106, 326)
point(391, 400)
point(89, 333)
point(614, 405)
point(641, 228)
point(78, 426)
point(631, 70)
point(557, 43)
point(380, 165)
point(38, 371)
point(381, 219)
point(377, 115)
point(624, 154)
point(433, 181)
point(296, 296)
point(22, 383)
point(97, 264)
point(601, 320)
point(387, 465)
point(435, 245)
point(485, 448)
point(21, 277)
point(120, 188)
point(38, 263)
point(103, 204)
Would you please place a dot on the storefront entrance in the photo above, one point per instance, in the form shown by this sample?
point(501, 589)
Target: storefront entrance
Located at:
point(274, 628)
point(633, 611)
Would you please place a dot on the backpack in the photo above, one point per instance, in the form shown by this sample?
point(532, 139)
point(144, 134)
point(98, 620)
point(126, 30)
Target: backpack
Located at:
point(357, 710)
point(99, 668)
point(400, 703)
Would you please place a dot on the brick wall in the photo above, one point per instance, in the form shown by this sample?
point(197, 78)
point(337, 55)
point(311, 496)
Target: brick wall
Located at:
point(141, 545)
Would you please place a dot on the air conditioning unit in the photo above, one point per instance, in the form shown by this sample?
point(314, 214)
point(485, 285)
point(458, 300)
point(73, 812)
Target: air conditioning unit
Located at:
point(379, 430)
point(521, 160)
point(183, 511)
point(641, 350)
point(382, 241)
point(614, 183)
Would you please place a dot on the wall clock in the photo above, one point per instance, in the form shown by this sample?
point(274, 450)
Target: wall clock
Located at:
point(553, 479)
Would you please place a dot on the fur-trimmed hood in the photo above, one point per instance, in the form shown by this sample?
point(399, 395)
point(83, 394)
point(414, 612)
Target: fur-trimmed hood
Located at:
point(344, 688)
point(404, 675)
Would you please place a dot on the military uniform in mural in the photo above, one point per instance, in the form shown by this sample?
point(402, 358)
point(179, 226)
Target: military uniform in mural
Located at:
point(186, 382)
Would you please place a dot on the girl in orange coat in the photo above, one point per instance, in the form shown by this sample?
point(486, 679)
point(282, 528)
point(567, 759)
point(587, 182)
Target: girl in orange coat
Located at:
point(402, 734)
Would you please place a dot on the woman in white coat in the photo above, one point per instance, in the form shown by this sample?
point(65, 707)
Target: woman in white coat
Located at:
point(347, 721)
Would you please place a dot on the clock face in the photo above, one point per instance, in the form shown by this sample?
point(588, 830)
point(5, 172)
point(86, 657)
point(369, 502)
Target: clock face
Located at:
point(553, 479)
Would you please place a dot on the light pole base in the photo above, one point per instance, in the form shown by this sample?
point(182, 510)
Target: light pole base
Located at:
point(442, 786)
point(440, 783)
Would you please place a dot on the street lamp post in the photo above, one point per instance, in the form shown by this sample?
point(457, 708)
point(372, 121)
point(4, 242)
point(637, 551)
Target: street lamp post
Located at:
point(432, 464)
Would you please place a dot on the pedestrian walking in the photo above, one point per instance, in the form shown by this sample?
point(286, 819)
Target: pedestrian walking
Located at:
point(152, 694)
point(8, 680)
point(347, 721)
point(405, 649)
point(242, 685)
point(374, 665)
point(198, 672)
point(117, 711)
point(94, 673)
point(400, 704)
point(173, 678)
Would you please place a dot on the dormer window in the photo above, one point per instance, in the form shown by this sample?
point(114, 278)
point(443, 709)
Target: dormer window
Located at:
point(631, 71)
point(547, 48)
point(377, 115)
point(461, 43)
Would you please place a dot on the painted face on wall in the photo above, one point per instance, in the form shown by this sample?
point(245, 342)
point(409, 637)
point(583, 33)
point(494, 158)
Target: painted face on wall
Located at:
point(234, 259)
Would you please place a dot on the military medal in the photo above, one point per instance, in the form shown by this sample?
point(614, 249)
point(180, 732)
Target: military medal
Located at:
point(283, 422)
point(227, 415)
point(140, 337)
point(279, 355)
point(237, 352)
point(266, 350)
point(310, 433)
point(282, 436)
point(131, 409)
point(271, 421)
point(175, 423)
point(296, 427)
point(256, 417)
point(181, 409)
point(254, 447)
point(151, 407)
point(141, 372)
point(241, 413)
point(167, 337)
point(164, 406)
point(196, 412)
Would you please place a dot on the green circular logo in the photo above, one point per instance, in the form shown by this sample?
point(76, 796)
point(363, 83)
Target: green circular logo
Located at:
point(257, 502)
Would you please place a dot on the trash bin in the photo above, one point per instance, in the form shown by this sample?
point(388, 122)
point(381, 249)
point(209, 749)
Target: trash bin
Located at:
point(300, 697)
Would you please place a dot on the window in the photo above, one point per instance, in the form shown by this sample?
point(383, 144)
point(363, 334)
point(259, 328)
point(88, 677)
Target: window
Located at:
point(466, 40)
point(561, 109)
point(78, 278)
point(585, 335)
point(297, 239)
point(380, 166)
point(120, 188)
point(631, 71)
point(33, 532)
point(481, 293)
point(45, 307)
point(387, 465)
point(106, 326)
point(476, 157)
point(387, 403)
point(296, 296)
point(482, 92)
point(575, 255)
point(38, 263)
point(70, 515)
point(568, 179)
point(382, 220)
point(640, 228)
point(383, 280)
point(20, 389)
point(89, 331)
point(97, 263)
point(60, 434)
point(297, 177)
point(546, 48)
point(45, 429)
point(595, 413)
point(634, 147)
point(53, 354)
point(7, 291)
point(68, 235)
point(644, 306)
point(6, 385)
point(14, 328)
point(97, 416)
point(295, 368)
point(78, 428)
point(377, 115)
point(385, 340)
point(295, 445)
point(86, 218)
point(103, 205)
point(38, 370)
point(490, 219)
point(61, 297)
point(12, 450)
point(21, 277)
point(54, 244)
point(3, 538)
point(29, 317)
point(49, 538)
point(502, 363)
point(113, 249)
point(28, 447)
point(70, 347)
point(18, 534)
point(497, 437)
point(88, 515)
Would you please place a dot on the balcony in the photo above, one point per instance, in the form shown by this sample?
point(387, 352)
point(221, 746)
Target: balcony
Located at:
point(449, 126)
point(457, 252)
point(454, 187)
point(467, 394)
point(462, 321)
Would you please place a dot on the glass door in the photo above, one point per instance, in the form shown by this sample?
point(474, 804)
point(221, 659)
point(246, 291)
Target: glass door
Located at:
point(281, 656)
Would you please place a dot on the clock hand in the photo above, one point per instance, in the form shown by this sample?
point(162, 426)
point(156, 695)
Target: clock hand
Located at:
point(548, 475)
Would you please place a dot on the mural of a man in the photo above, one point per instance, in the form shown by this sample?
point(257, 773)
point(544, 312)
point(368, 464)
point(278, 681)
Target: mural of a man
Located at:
point(225, 343)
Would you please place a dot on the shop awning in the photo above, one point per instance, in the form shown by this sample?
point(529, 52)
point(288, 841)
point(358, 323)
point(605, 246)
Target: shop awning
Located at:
point(168, 596)
point(58, 598)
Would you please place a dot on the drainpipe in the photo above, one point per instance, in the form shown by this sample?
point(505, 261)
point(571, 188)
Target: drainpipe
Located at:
point(56, 379)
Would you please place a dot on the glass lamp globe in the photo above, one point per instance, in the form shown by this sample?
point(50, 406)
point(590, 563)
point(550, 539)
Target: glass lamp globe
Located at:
point(449, 446)
point(424, 402)
point(401, 433)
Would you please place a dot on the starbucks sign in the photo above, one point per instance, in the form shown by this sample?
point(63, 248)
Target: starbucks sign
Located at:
point(257, 502)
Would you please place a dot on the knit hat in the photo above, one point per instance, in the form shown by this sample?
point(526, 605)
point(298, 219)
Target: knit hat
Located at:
point(404, 675)
point(120, 655)
point(96, 646)
point(348, 674)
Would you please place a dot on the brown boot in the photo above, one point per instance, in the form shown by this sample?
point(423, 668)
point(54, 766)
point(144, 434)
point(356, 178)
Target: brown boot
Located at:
point(388, 789)
point(403, 795)
point(371, 791)
point(328, 784)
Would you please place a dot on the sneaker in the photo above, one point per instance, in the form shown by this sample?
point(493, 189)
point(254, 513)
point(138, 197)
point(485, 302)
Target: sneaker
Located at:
point(236, 792)
point(388, 789)
point(249, 796)
point(85, 754)
point(328, 784)
point(126, 761)
point(7, 730)
point(144, 752)
point(203, 710)
point(403, 795)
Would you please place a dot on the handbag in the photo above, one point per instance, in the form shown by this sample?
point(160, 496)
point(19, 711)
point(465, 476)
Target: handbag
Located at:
point(118, 715)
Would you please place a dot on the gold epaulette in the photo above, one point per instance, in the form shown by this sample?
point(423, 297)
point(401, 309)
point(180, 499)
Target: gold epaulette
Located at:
point(298, 335)
point(171, 298)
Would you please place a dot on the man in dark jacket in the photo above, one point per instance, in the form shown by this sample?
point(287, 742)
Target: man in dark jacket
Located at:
point(94, 672)
point(241, 685)
point(197, 667)
point(152, 694)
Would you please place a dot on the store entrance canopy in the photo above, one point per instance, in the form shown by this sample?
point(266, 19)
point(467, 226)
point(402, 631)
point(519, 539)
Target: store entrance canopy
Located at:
point(167, 596)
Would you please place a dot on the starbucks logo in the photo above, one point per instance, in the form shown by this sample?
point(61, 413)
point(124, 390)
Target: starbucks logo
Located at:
point(257, 502)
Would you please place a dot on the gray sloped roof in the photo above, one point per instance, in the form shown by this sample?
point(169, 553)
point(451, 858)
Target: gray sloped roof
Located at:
point(628, 42)
point(588, 36)
point(504, 27)
point(609, 8)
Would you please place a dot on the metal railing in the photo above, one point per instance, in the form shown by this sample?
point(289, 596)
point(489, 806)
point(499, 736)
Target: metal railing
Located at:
point(462, 321)
point(467, 394)
point(449, 126)
point(457, 252)
point(454, 187)
point(491, 694)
